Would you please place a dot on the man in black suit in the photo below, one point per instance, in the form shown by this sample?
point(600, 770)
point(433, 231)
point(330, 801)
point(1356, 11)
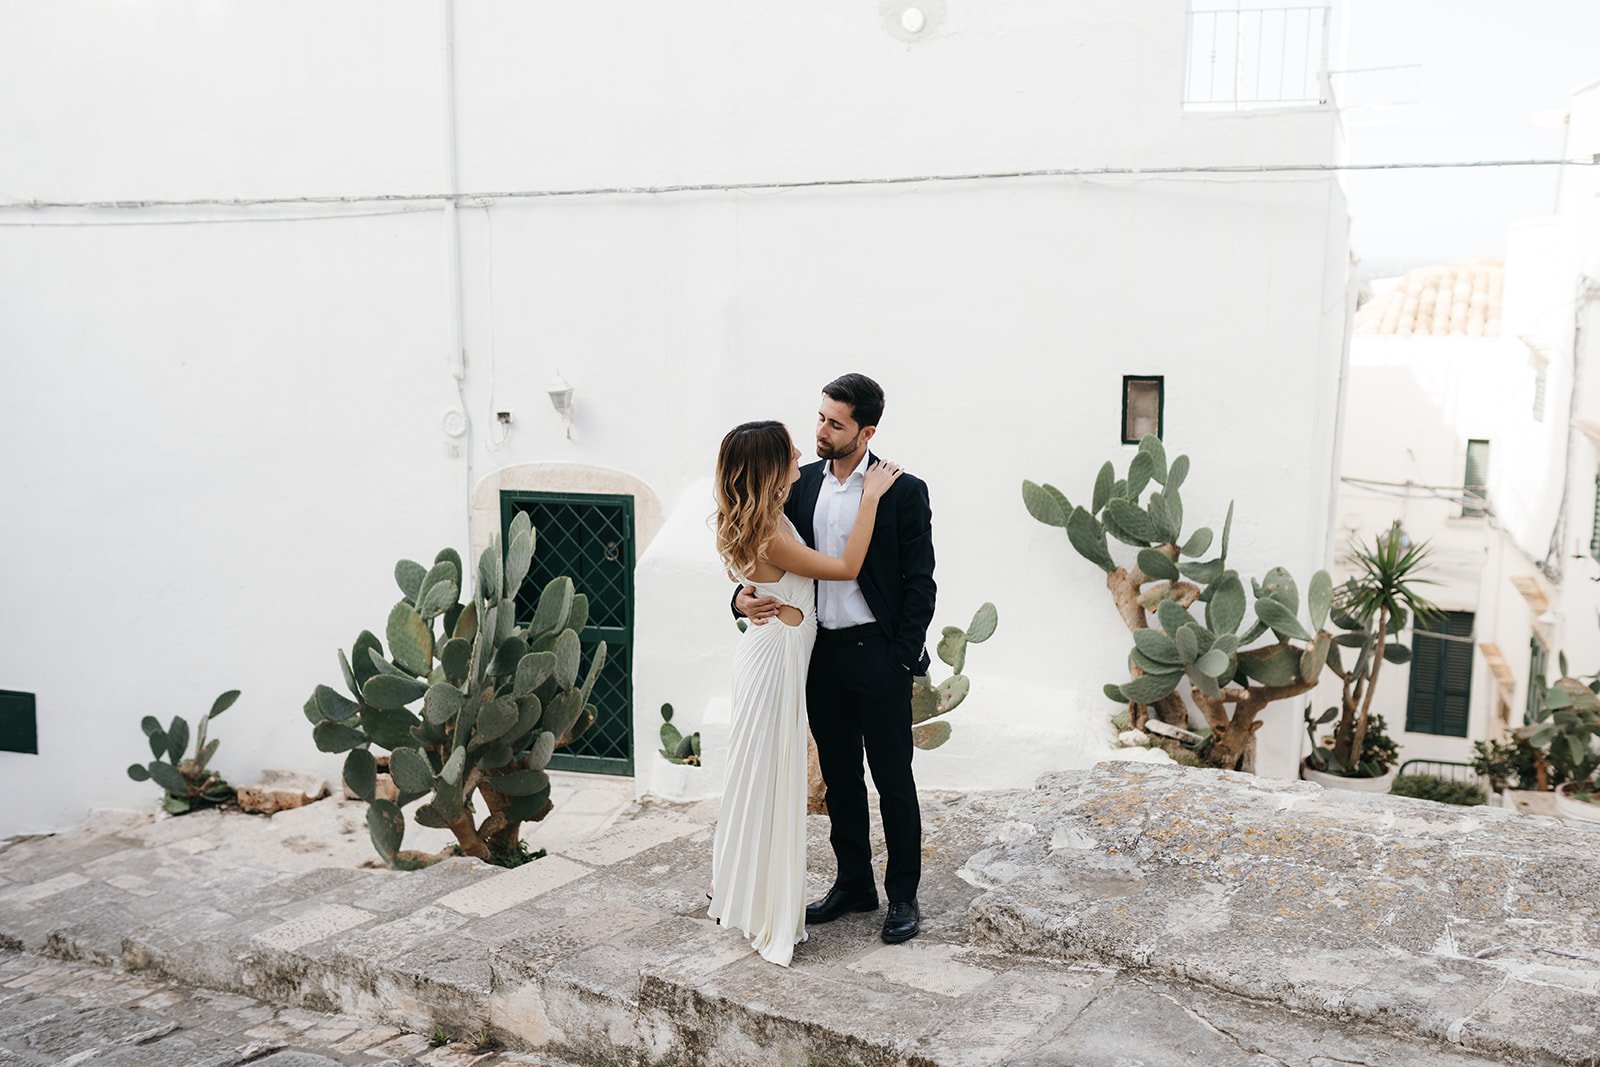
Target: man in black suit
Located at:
point(871, 642)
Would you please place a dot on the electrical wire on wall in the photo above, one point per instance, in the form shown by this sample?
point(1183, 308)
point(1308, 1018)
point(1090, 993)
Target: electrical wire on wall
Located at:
point(1134, 173)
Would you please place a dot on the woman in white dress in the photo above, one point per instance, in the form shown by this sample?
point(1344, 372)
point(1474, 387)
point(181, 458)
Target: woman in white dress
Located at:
point(758, 858)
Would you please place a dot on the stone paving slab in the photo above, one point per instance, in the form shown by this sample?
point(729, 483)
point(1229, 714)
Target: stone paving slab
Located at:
point(62, 1014)
point(600, 953)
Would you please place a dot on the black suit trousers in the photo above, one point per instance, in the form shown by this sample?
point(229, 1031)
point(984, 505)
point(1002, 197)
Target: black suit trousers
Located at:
point(858, 696)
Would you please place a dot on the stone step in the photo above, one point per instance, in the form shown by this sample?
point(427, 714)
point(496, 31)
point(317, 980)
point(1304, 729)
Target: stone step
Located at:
point(1468, 925)
point(1115, 920)
point(682, 990)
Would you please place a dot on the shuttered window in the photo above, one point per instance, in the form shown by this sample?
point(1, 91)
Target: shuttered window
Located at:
point(1536, 665)
point(1476, 481)
point(1441, 675)
point(1538, 395)
point(1594, 531)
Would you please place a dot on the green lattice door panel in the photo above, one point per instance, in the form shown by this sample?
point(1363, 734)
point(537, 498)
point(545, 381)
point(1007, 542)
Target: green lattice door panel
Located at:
point(588, 537)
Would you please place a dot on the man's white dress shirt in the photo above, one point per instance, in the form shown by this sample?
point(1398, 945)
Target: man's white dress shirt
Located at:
point(839, 604)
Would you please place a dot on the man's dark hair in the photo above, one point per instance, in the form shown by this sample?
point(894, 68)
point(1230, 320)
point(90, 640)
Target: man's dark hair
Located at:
point(864, 396)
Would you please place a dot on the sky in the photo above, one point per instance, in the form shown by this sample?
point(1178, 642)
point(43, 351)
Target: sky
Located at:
point(1484, 69)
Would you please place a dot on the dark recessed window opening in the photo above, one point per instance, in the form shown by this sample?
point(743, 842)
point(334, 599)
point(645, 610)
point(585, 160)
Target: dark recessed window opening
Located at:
point(1143, 407)
point(1475, 482)
point(19, 725)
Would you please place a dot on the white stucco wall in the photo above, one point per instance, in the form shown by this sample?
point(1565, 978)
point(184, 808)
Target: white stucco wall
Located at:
point(244, 419)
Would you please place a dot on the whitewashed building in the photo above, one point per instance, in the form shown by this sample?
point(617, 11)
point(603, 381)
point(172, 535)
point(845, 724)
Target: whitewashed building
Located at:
point(302, 257)
point(1435, 386)
point(1473, 419)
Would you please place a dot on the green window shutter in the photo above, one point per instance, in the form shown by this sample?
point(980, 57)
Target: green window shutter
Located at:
point(1594, 532)
point(19, 723)
point(1538, 395)
point(1475, 483)
point(1440, 695)
point(1422, 702)
point(1536, 660)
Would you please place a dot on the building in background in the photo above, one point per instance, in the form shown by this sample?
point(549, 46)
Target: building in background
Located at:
point(1473, 420)
point(227, 420)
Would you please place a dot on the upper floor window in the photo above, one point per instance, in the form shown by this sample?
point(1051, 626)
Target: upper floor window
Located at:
point(1594, 531)
point(1244, 58)
point(1475, 482)
point(1144, 405)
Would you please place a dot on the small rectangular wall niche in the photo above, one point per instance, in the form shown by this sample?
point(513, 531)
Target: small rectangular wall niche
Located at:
point(1144, 403)
point(19, 724)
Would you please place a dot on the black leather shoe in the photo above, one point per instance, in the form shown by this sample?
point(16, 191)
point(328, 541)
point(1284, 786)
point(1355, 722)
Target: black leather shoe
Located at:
point(902, 922)
point(838, 902)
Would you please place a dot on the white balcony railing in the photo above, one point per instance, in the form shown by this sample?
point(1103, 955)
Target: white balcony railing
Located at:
point(1258, 57)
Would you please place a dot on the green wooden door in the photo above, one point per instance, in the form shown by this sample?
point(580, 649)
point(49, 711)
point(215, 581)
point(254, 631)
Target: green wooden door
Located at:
point(590, 538)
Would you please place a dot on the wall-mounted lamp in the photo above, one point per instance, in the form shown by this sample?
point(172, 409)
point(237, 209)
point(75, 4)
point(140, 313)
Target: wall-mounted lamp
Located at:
point(561, 391)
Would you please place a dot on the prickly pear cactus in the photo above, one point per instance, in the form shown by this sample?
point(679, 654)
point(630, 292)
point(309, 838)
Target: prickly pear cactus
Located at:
point(186, 782)
point(468, 704)
point(1156, 596)
point(929, 701)
point(677, 747)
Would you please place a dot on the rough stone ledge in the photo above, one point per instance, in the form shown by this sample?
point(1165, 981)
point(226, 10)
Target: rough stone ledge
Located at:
point(602, 955)
point(1474, 926)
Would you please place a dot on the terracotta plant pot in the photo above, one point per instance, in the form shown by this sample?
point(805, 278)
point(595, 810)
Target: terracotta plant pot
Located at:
point(1354, 785)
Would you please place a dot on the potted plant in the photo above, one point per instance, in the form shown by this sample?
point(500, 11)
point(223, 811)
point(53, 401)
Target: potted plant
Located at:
point(1374, 769)
point(1564, 721)
point(1579, 801)
point(1512, 770)
point(1372, 608)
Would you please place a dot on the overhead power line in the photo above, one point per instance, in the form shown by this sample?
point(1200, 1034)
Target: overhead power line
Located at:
point(771, 186)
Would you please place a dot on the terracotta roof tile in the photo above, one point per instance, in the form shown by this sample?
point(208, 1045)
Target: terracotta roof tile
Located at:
point(1449, 300)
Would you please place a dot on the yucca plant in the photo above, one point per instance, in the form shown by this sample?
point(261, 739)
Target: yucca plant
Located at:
point(1372, 607)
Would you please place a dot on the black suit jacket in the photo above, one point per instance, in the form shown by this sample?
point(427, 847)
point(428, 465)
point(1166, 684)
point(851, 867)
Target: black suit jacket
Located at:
point(897, 576)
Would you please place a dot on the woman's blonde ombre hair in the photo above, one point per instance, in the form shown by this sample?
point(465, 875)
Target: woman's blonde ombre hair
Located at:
point(752, 484)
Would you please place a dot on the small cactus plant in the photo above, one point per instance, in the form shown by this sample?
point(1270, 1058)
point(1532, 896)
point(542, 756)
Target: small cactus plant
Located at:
point(187, 782)
point(675, 746)
point(472, 709)
point(929, 701)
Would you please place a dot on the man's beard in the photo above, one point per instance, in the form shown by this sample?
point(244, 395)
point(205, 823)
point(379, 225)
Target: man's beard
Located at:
point(825, 452)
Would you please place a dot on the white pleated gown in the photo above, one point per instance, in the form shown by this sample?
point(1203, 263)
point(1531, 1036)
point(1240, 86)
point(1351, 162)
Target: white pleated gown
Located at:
point(758, 857)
